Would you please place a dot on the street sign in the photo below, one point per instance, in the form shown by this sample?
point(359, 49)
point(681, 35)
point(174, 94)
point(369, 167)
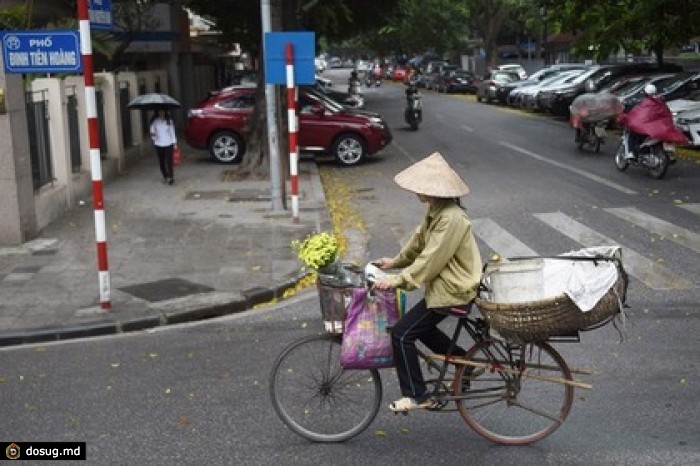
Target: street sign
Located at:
point(304, 44)
point(55, 51)
point(100, 14)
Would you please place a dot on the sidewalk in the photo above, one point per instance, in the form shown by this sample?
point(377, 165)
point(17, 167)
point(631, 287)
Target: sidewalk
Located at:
point(204, 247)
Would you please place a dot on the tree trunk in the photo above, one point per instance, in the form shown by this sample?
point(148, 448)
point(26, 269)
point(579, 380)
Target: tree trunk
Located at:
point(256, 160)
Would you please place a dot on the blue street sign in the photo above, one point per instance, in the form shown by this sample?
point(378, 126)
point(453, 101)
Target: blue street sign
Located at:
point(52, 51)
point(100, 14)
point(304, 44)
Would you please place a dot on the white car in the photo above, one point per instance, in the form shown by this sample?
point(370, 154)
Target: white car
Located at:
point(689, 122)
point(325, 83)
point(691, 102)
point(514, 67)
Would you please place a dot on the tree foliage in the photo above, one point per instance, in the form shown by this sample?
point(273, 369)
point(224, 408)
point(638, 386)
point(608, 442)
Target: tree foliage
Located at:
point(607, 26)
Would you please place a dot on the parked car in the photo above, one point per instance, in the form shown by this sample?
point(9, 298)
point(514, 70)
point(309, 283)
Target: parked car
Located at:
point(433, 73)
point(218, 123)
point(503, 94)
point(522, 74)
point(689, 122)
point(630, 91)
point(689, 102)
point(456, 80)
point(678, 86)
point(486, 88)
point(530, 96)
point(557, 101)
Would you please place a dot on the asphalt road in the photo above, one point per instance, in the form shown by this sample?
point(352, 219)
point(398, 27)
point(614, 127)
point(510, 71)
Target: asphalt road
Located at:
point(197, 394)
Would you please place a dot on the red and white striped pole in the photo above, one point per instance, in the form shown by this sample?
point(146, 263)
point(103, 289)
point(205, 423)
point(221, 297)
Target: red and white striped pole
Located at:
point(293, 129)
point(95, 161)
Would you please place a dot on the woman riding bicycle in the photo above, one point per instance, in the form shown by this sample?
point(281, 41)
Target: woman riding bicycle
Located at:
point(443, 256)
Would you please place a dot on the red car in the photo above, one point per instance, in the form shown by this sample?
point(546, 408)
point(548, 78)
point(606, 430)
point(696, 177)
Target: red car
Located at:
point(400, 73)
point(218, 124)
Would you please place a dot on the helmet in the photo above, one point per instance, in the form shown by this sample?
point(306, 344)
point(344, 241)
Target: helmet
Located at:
point(650, 89)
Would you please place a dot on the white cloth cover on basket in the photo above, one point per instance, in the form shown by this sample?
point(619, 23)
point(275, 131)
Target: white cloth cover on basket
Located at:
point(584, 282)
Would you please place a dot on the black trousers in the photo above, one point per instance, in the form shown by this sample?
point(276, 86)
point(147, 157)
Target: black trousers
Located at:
point(165, 160)
point(420, 323)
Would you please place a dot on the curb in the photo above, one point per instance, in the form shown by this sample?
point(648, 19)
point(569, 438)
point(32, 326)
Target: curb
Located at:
point(169, 312)
point(190, 308)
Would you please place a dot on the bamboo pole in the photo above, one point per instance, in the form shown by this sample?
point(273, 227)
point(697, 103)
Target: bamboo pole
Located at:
point(525, 374)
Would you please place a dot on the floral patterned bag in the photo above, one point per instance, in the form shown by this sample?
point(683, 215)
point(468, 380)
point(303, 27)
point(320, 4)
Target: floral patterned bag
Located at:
point(366, 341)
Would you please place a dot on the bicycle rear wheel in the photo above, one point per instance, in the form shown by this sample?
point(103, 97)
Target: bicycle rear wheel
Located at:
point(316, 398)
point(508, 408)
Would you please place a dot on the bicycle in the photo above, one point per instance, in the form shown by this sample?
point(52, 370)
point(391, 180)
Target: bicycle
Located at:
point(511, 394)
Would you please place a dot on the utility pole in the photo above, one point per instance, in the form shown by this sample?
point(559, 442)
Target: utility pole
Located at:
point(272, 133)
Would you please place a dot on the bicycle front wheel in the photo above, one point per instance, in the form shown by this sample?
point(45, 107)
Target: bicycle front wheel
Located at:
point(507, 407)
point(316, 398)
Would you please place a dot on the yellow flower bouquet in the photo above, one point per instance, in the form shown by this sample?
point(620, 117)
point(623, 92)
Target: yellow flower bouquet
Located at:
point(317, 251)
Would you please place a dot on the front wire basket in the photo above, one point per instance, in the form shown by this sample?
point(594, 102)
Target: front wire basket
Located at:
point(335, 294)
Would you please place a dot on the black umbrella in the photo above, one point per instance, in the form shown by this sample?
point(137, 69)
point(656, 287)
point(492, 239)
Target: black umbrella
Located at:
point(153, 101)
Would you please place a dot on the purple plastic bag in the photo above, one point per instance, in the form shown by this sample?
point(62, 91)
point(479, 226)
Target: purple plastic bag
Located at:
point(366, 342)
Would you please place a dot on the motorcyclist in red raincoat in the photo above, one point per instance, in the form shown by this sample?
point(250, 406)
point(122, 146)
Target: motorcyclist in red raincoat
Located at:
point(650, 118)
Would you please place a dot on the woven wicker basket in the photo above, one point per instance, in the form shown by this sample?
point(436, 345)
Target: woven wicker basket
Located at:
point(538, 320)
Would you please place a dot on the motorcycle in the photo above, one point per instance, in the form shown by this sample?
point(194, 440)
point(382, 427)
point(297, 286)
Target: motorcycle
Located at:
point(591, 134)
point(355, 97)
point(414, 111)
point(373, 80)
point(653, 154)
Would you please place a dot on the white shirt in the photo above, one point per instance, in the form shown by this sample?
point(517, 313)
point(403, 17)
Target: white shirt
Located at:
point(163, 133)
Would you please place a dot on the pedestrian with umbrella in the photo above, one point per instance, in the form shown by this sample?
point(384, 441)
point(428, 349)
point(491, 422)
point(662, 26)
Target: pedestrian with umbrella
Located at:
point(162, 129)
point(164, 140)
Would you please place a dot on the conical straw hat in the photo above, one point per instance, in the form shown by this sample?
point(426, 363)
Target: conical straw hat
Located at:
point(432, 176)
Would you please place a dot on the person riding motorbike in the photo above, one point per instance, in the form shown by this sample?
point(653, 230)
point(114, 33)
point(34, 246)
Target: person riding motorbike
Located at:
point(656, 118)
point(353, 83)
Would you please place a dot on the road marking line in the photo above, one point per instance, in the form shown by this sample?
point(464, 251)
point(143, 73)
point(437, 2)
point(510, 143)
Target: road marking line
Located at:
point(648, 272)
point(404, 152)
point(467, 128)
point(582, 173)
point(499, 240)
point(660, 227)
point(694, 208)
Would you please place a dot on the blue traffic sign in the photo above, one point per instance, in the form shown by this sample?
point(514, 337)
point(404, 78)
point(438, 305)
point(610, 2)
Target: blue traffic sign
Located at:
point(100, 14)
point(304, 47)
point(55, 51)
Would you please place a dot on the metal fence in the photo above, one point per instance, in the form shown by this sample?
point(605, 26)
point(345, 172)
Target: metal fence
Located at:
point(126, 113)
point(73, 129)
point(39, 139)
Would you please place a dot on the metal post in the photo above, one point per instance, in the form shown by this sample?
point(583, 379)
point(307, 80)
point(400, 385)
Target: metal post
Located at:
point(95, 161)
point(271, 111)
point(292, 117)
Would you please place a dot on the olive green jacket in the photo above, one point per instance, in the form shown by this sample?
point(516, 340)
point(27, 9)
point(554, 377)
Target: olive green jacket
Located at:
point(442, 255)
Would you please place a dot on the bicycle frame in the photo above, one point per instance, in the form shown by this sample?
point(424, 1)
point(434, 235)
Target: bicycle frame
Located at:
point(479, 332)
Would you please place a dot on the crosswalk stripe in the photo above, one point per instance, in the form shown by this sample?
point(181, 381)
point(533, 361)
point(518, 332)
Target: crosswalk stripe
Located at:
point(648, 272)
point(660, 227)
point(499, 240)
point(694, 208)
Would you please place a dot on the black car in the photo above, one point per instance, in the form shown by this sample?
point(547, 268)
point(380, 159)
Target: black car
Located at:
point(455, 81)
point(557, 101)
point(677, 86)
